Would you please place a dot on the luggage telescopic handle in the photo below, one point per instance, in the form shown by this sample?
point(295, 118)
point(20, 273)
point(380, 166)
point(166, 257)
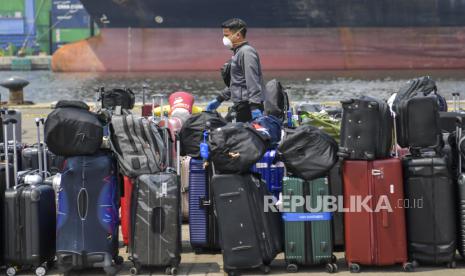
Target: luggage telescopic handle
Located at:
point(39, 146)
point(5, 149)
point(178, 153)
point(44, 149)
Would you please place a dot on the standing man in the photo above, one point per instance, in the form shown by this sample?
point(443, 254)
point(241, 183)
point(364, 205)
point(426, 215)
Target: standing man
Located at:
point(246, 89)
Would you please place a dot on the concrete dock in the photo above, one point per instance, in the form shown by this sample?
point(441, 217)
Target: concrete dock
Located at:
point(26, 63)
point(193, 264)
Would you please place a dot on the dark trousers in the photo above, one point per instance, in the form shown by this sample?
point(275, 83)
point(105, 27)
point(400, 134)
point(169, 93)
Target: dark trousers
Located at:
point(242, 111)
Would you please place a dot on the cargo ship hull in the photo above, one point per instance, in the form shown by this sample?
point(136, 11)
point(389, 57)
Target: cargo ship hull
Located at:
point(143, 35)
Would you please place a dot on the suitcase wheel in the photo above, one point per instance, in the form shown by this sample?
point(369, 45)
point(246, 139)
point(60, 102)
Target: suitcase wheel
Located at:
point(333, 258)
point(408, 267)
point(331, 268)
point(171, 270)
point(134, 271)
point(354, 268)
point(11, 271)
point(40, 271)
point(452, 265)
point(119, 260)
point(292, 268)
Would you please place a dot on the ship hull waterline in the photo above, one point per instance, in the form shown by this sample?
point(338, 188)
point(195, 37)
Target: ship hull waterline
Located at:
point(201, 49)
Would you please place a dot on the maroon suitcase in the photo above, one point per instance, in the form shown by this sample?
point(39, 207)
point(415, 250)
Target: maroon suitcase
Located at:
point(375, 238)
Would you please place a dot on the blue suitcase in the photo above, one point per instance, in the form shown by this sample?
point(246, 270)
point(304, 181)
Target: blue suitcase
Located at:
point(88, 217)
point(202, 222)
point(272, 173)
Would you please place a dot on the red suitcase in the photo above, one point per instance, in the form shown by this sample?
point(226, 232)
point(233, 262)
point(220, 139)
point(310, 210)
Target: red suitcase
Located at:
point(126, 209)
point(375, 238)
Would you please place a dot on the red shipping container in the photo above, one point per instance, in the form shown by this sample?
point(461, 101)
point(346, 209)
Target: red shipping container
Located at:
point(375, 238)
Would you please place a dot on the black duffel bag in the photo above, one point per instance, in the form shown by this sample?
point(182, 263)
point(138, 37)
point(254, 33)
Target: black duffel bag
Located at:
point(191, 134)
point(118, 97)
point(235, 147)
point(308, 152)
point(71, 129)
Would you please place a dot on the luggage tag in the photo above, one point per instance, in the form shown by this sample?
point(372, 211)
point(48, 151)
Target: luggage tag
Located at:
point(204, 149)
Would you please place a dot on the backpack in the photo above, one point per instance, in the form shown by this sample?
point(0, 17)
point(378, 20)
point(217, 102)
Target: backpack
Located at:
point(276, 100)
point(308, 152)
point(138, 145)
point(71, 129)
point(422, 86)
point(117, 97)
point(191, 134)
point(235, 147)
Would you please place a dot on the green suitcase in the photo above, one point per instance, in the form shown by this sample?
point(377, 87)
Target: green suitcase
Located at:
point(308, 235)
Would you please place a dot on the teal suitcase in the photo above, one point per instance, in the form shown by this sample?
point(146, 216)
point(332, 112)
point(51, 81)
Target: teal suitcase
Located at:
point(308, 235)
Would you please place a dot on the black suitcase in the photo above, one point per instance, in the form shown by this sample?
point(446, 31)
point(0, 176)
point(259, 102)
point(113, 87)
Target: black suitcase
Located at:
point(250, 238)
point(29, 221)
point(418, 125)
point(156, 218)
point(336, 189)
point(430, 194)
point(366, 129)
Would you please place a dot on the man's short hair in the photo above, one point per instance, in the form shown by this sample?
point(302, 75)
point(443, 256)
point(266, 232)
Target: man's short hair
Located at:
point(235, 24)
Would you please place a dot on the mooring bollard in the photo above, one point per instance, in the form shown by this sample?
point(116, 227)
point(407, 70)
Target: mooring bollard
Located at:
point(15, 85)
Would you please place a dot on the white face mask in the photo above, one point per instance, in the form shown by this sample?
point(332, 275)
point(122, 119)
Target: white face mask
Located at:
point(227, 42)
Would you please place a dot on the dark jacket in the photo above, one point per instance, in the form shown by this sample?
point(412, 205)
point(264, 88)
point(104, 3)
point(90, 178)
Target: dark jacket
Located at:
point(246, 77)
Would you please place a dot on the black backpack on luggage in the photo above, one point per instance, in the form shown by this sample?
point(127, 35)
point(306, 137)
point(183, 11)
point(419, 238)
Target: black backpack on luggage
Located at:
point(117, 97)
point(191, 134)
point(366, 129)
point(308, 152)
point(417, 107)
point(71, 129)
point(276, 100)
point(235, 147)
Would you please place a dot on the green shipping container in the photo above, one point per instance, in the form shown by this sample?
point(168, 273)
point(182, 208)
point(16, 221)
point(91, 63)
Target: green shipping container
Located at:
point(308, 236)
point(70, 35)
point(42, 11)
point(11, 8)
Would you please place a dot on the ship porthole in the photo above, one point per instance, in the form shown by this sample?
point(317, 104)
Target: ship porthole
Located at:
point(158, 19)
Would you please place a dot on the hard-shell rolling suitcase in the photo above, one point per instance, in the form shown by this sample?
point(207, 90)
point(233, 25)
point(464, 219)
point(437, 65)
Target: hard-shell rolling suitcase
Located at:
point(156, 218)
point(29, 220)
point(377, 235)
point(271, 172)
point(3, 187)
point(203, 228)
point(185, 169)
point(250, 237)
point(366, 129)
point(336, 190)
point(29, 160)
point(126, 209)
point(156, 222)
point(307, 233)
point(431, 222)
point(88, 218)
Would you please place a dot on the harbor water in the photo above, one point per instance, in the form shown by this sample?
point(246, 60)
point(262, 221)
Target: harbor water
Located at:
point(319, 86)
